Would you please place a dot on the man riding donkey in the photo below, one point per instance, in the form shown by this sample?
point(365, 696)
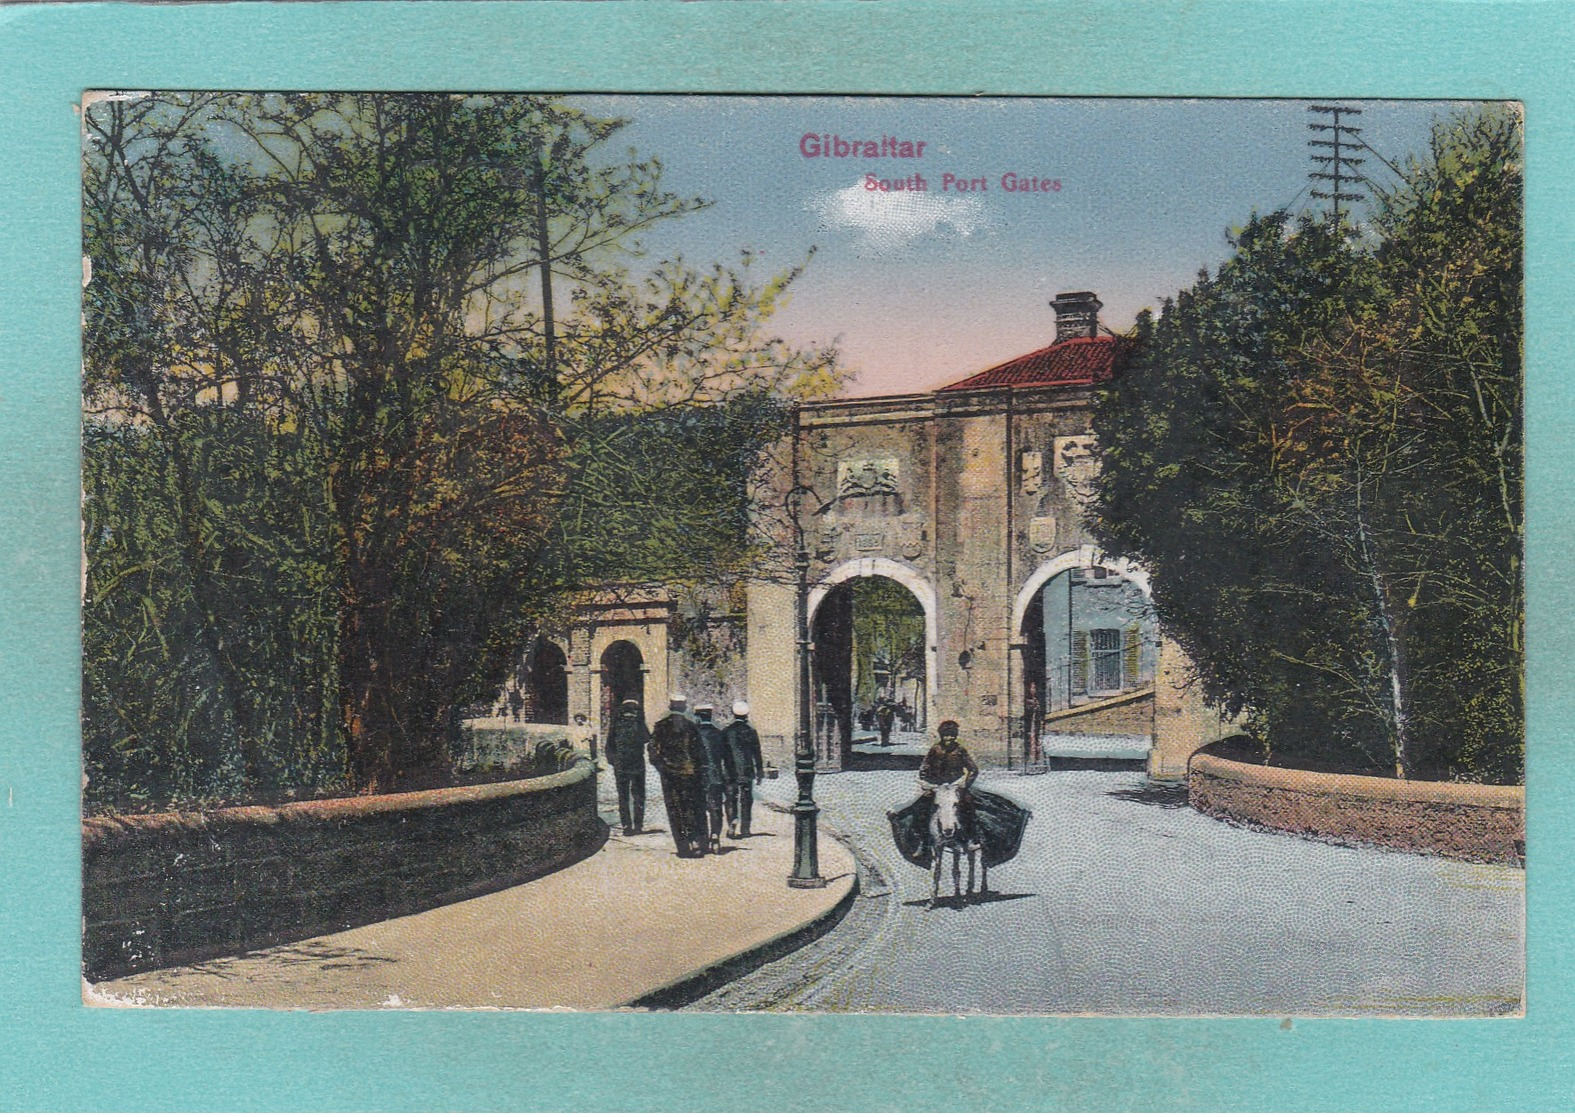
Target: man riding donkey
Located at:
point(981, 827)
point(948, 762)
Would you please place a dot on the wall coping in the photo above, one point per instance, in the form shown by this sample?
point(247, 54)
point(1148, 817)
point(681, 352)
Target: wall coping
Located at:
point(106, 829)
point(1503, 797)
point(1114, 701)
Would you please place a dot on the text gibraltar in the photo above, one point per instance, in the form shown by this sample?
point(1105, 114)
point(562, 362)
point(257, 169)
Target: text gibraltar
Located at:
point(815, 145)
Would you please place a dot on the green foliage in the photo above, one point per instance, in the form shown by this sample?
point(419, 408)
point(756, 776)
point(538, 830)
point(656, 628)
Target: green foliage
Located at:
point(1317, 454)
point(888, 625)
point(664, 493)
point(341, 453)
point(210, 694)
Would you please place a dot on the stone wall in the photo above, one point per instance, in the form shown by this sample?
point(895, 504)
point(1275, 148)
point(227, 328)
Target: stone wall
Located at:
point(179, 887)
point(1129, 714)
point(1183, 722)
point(1472, 822)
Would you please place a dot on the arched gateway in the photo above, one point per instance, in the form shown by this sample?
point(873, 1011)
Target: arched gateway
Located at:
point(873, 634)
point(967, 502)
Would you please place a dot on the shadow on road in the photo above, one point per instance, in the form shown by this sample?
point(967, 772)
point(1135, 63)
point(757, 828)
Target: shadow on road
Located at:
point(957, 903)
point(883, 762)
point(1168, 796)
point(312, 954)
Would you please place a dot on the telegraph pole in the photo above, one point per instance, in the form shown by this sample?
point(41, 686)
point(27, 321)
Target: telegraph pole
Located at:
point(1334, 165)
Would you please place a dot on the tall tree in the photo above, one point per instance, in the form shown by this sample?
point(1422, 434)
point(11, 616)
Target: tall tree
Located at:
point(1317, 453)
point(428, 298)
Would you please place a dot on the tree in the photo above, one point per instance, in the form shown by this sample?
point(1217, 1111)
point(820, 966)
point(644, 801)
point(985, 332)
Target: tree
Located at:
point(370, 286)
point(1317, 455)
point(1425, 400)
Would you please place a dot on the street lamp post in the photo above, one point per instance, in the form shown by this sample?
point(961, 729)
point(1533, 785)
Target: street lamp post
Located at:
point(806, 854)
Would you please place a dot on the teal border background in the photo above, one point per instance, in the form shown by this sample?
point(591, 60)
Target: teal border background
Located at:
point(56, 1054)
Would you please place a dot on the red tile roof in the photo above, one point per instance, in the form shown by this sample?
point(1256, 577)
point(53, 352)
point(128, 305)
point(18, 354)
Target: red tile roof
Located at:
point(1075, 361)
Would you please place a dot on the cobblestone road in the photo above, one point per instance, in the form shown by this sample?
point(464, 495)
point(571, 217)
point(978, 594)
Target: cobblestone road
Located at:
point(1125, 901)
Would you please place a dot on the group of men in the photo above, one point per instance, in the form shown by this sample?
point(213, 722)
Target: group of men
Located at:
point(707, 773)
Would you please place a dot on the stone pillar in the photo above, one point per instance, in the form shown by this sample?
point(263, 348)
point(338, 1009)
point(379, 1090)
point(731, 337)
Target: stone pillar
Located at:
point(976, 623)
point(582, 681)
point(771, 669)
point(1183, 723)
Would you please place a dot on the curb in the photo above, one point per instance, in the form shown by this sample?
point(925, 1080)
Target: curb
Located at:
point(693, 986)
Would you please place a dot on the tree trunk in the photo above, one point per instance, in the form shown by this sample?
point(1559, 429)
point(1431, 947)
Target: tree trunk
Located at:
point(1393, 654)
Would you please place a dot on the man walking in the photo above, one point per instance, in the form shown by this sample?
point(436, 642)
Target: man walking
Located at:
point(742, 748)
point(675, 750)
point(626, 753)
point(714, 763)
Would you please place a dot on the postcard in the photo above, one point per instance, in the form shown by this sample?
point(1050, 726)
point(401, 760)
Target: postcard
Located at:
point(919, 555)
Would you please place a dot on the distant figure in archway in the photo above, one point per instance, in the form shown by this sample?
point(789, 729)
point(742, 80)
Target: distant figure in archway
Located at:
point(885, 717)
point(713, 775)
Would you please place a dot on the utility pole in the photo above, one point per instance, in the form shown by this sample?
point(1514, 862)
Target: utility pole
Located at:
point(544, 254)
point(1334, 165)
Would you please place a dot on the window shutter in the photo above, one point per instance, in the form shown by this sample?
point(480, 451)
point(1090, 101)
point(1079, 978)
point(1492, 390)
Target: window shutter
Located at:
point(1079, 662)
point(1131, 657)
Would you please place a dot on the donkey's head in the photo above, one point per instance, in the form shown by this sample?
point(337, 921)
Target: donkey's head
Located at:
point(946, 809)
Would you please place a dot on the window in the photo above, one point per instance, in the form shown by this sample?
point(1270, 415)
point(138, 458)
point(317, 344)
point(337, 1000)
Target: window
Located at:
point(1105, 653)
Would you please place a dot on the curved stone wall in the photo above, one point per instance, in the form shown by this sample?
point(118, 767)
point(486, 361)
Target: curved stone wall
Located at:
point(1473, 822)
point(177, 887)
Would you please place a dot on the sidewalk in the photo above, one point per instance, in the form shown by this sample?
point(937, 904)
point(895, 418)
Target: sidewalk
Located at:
point(616, 928)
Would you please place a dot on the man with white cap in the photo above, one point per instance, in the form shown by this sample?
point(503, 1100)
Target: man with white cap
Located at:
point(745, 768)
point(675, 751)
point(714, 763)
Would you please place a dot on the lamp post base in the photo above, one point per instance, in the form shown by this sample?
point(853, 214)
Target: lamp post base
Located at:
point(806, 882)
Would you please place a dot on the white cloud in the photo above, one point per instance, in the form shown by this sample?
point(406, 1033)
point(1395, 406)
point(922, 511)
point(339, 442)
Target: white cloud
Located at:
point(890, 220)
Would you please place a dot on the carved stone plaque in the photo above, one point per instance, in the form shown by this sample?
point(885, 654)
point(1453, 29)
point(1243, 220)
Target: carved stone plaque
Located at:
point(1033, 466)
point(1077, 466)
point(1041, 534)
point(867, 477)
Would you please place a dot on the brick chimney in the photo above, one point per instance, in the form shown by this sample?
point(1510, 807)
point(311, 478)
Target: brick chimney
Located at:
point(1076, 314)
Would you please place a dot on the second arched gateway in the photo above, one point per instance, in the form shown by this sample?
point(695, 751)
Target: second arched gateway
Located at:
point(961, 509)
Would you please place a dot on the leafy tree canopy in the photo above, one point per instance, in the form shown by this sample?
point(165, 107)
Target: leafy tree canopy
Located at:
point(358, 368)
point(1317, 452)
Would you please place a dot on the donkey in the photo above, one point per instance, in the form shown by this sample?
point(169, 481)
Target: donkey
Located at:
point(945, 835)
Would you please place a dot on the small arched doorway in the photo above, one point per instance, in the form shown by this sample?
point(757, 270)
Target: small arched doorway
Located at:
point(547, 685)
point(870, 635)
point(623, 678)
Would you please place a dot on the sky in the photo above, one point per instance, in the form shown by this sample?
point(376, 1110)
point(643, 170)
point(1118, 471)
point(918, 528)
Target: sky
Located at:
point(919, 289)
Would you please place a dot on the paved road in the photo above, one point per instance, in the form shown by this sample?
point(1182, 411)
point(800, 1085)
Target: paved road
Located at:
point(627, 921)
point(1125, 901)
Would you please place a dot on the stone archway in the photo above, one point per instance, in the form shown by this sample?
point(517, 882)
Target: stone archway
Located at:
point(622, 678)
point(547, 685)
point(840, 691)
point(1085, 556)
point(1084, 626)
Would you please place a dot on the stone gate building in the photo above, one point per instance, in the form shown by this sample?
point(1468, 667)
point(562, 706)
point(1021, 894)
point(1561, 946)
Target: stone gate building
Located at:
point(970, 497)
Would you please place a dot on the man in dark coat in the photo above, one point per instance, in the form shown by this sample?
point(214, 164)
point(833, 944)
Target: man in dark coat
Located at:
point(948, 762)
point(884, 717)
point(714, 763)
point(745, 769)
point(675, 751)
point(626, 753)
